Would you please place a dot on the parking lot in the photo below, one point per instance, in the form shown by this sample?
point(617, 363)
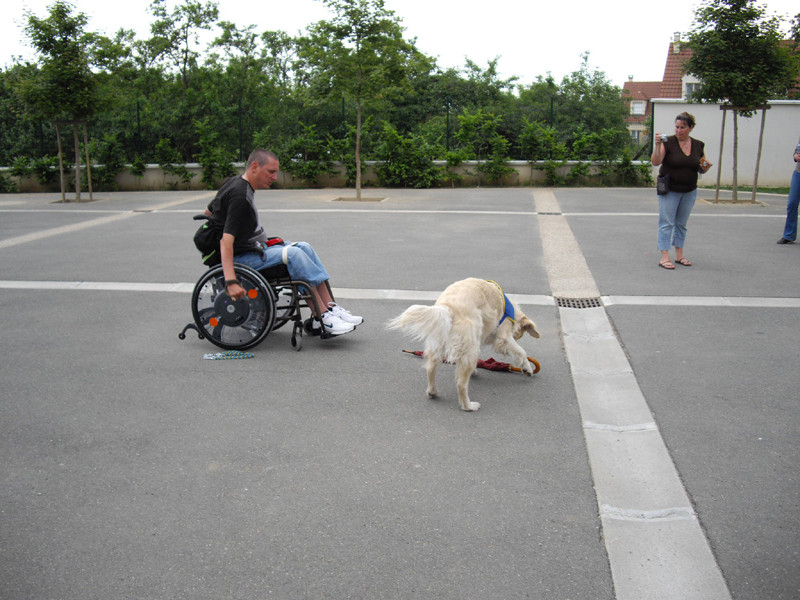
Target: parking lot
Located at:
point(653, 456)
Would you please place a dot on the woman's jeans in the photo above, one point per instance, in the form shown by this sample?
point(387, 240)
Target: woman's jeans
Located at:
point(674, 209)
point(790, 231)
point(301, 261)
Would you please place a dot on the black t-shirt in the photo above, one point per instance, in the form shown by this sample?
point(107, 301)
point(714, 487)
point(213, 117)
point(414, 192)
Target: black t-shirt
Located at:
point(233, 211)
point(682, 169)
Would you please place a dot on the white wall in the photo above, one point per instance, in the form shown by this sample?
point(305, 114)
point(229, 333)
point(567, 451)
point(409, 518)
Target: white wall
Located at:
point(781, 133)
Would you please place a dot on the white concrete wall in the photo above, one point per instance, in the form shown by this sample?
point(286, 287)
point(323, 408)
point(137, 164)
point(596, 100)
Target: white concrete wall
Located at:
point(154, 179)
point(781, 133)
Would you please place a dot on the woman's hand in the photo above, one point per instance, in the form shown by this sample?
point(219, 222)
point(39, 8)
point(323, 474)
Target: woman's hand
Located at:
point(659, 149)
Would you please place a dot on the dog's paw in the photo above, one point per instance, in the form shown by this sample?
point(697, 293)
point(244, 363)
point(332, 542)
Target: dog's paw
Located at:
point(432, 393)
point(472, 406)
point(526, 367)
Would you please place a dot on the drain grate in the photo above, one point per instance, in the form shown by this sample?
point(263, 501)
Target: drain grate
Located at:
point(579, 302)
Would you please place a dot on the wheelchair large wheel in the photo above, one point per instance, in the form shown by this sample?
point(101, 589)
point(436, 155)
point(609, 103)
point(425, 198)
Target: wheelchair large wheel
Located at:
point(229, 324)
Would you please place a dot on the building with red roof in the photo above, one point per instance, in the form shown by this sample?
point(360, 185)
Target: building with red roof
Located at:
point(674, 84)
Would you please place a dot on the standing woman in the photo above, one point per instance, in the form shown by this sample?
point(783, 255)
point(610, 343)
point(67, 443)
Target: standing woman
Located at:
point(790, 229)
point(682, 158)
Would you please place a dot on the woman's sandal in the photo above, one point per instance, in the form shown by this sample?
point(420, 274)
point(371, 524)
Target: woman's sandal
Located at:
point(666, 264)
point(684, 262)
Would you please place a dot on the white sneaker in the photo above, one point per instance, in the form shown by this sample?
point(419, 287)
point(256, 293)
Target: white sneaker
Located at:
point(335, 325)
point(344, 315)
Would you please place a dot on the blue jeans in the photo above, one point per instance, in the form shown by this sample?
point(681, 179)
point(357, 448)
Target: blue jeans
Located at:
point(302, 262)
point(790, 230)
point(674, 209)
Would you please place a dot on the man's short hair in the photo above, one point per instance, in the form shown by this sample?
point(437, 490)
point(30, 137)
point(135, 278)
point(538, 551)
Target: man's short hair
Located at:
point(260, 157)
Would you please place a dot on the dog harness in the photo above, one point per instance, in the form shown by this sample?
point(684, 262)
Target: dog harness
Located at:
point(508, 308)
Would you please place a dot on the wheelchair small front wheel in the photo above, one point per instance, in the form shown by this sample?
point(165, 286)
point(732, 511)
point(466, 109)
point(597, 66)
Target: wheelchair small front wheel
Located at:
point(228, 323)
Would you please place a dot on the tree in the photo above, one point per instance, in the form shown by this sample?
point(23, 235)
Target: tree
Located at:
point(739, 57)
point(175, 34)
point(795, 33)
point(588, 100)
point(406, 161)
point(358, 54)
point(64, 88)
point(539, 142)
point(585, 101)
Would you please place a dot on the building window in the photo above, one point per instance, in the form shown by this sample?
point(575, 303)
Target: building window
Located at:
point(637, 107)
point(691, 89)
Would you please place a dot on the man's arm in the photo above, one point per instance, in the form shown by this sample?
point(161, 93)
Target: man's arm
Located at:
point(234, 290)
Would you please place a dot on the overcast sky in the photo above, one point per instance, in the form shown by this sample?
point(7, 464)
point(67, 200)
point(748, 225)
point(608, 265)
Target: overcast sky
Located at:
point(531, 38)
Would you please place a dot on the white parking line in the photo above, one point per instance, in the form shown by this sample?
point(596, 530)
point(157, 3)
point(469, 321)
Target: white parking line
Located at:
point(413, 295)
point(47, 233)
point(656, 546)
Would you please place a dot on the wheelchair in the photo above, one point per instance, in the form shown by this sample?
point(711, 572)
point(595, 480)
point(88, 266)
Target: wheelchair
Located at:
point(272, 300)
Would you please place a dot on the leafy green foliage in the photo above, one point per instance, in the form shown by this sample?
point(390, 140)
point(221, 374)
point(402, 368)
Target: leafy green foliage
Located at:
point(496, 168)
point(540, 142)
point(551, 175)
point(309, 155)
point(6, 185)
point(360, 53)
point(738, 54)
point(138, 166)
point(45, 169)
point(311, 98)
point(600, 145)
point(629, 173)
point(64, 87)
point(477, 132)
point(108, 155)
point(406, 161)
point(169, 160)
point(213, 157)
point(20, 167)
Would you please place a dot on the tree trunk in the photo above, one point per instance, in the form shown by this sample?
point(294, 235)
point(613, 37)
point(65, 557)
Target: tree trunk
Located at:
point(719, 162)
point(61, 164)
point(358, 149)
point(77, 162)
point(88, 163)
point(735, 152)
point(758, 158)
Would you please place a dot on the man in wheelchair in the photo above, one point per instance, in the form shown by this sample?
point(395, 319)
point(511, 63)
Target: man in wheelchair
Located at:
point(243, 240)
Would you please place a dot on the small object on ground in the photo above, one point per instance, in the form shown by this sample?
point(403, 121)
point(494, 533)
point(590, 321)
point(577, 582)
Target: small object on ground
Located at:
point(228, 355)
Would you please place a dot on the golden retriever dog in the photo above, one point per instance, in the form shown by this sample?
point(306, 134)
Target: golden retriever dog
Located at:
point(468, 314)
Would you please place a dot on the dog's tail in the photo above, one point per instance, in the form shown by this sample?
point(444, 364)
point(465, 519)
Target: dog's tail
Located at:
point(430, 324)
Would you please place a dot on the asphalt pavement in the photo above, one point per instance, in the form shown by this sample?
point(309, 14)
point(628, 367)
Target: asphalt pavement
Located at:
point(135, 468)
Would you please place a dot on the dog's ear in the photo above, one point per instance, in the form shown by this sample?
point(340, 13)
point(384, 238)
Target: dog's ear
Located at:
point(525, 324)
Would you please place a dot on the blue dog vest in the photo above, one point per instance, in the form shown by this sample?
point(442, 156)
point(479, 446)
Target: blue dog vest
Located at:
point(508, 308)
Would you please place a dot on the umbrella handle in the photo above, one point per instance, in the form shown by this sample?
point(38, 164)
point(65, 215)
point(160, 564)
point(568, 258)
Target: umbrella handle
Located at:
point(536, 366)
